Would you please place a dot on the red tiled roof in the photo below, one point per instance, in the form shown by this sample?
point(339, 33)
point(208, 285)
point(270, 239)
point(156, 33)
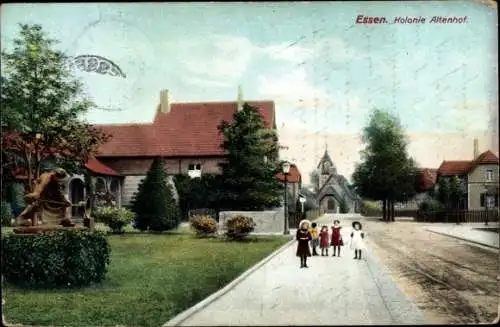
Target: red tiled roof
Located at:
point(98, 167)
point(485, 158)
point(449, 168)
point(189, 129)
point(427, 178)
point(293, 176)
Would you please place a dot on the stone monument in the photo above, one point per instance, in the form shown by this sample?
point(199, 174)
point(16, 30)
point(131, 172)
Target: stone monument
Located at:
point(46, 206)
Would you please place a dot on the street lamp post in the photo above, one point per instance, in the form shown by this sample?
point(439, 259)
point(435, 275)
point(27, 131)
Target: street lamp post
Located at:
point(302, 201)
point(286, 171)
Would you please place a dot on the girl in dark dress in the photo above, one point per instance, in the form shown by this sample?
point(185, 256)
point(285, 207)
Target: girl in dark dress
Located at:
point(324, 244)
point(303, 236)
point(336, 241)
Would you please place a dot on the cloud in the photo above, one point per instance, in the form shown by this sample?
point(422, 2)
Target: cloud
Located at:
point(215, 60)
point(204, 82)
point(286, 52)
point(293, 90)
point(336, 50)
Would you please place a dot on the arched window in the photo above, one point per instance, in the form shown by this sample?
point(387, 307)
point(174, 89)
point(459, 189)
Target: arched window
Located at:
point(330, 204)
point(77, 188)
point(100, 185)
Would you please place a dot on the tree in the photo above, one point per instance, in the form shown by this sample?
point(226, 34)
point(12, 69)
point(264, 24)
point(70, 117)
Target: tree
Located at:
point(456, 193)
point(197, 193)
point(154, 203)
point(42, 106)
point(343, 206)
point(386, 172)
point(449, 192)
point(443, 191)
point(248, 175)
point(314, 176)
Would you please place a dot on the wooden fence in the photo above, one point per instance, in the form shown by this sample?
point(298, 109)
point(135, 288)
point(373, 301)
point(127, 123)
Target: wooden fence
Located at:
point(460, 216)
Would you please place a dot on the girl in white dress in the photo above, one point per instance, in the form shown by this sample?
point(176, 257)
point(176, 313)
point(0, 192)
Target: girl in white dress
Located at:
point(357, 240)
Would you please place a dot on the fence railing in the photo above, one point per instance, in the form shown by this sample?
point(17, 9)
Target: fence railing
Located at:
point(460, 216)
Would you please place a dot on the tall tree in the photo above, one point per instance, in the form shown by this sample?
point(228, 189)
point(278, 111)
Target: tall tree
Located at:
point(42, 107)
point(154, 203)
point(449, 192)
point(386, 172)
point(443, 191)
point(314, 177)
point(248, 176)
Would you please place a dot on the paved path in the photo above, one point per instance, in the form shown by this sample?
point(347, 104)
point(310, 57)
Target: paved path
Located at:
point(333, 291)
point(469, 232)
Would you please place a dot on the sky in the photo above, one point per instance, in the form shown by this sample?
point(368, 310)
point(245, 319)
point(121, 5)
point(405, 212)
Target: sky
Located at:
point(324, 72)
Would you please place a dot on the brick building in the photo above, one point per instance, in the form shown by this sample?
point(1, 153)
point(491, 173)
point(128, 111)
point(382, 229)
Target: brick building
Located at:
point(184, 134)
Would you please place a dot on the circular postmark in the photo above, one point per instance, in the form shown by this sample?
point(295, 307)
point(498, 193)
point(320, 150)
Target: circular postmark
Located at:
point(110, 56)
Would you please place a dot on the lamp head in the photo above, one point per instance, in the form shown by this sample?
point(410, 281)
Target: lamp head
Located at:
point(286, 167)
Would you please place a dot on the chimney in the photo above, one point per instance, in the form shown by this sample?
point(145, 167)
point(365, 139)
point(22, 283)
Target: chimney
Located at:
point(476, 148)
point(165, 101)
point(240, 98)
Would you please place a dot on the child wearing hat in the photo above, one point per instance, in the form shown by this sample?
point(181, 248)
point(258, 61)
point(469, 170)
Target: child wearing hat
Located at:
point(303, 236)
point(357, 239)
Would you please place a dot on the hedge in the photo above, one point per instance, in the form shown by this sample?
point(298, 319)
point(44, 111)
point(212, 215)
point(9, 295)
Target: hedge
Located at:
point(68, 258)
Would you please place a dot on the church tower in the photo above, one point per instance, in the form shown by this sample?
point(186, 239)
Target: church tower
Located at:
point(325, 168)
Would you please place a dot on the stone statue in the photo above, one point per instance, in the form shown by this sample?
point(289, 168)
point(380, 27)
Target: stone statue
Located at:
point(47, 204)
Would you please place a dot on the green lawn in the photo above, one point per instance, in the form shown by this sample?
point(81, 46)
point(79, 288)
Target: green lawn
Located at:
point(151, 278)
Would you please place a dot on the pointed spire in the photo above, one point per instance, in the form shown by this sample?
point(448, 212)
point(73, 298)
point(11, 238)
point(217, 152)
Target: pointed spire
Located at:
point(240, 97)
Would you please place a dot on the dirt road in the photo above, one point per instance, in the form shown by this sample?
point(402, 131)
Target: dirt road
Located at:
point(452, 282)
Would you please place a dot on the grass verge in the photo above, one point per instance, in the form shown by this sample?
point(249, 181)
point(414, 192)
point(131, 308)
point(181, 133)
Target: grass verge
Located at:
point(151, 278)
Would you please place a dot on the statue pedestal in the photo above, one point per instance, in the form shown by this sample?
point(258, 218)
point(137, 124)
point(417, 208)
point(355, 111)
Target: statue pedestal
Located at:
point(30, 230)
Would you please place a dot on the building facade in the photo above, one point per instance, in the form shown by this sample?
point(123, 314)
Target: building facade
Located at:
point(479, 179)
point(333, 188)
point(185, 135)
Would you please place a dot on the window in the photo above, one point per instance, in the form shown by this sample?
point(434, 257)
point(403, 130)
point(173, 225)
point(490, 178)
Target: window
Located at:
point(194, 170)
point(194, 167)
point(489, 175)
point(489, 201)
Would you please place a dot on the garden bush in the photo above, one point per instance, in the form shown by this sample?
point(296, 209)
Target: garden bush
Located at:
point(55, 259)
point(114, 218)
point(238, 227)
point(204, 225)
point(430, 209)
point(371, 209)
point(7, 215)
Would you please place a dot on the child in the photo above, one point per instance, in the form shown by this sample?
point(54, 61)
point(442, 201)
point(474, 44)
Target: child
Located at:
point(303, 237)
point(323, 236)
point(314, 238)
point(336, 240)
point(357, 239)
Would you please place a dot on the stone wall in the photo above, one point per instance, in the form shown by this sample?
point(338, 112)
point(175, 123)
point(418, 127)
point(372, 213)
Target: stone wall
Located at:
point(266, 221)
point(131, 185)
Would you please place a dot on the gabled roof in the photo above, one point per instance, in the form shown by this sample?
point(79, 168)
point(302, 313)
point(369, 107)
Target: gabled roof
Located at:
point(486, 158)
point(189, 129)
point(98, 167)
point(462, 167)
point(293, 176)
point(427, 178)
